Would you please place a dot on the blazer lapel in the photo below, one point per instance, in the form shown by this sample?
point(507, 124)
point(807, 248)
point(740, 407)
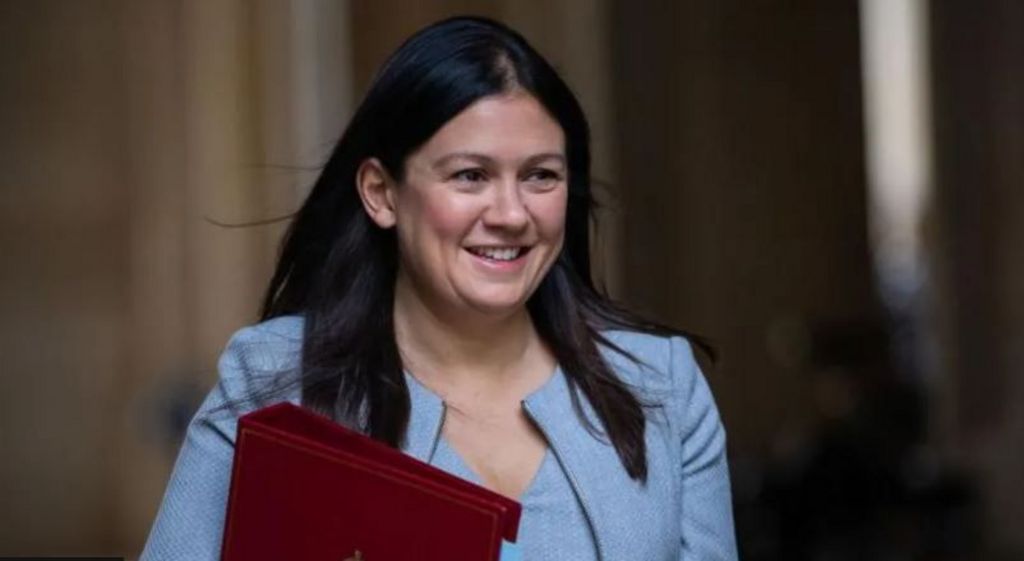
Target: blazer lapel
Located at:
point(627, 518)
point(425, 419)
point(584, 460)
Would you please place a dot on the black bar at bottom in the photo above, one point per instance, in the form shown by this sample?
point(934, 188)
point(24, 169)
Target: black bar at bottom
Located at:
point(65, 558)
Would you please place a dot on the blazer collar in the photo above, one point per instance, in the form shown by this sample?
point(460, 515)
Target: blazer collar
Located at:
point(591, 464)
point(425, 420)
point(584, 458)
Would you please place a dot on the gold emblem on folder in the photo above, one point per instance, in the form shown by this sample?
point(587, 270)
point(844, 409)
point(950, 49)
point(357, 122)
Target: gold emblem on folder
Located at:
point(358, 556)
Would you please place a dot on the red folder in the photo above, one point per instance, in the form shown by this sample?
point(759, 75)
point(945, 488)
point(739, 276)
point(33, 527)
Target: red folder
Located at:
point(305, 488)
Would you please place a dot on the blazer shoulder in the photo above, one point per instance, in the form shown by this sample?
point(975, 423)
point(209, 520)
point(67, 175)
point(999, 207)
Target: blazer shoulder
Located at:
point(654, 362)
point(272, 344)
point(262, 358)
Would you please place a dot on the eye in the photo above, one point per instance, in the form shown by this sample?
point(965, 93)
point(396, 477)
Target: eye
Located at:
point(470, 175)
point(543, 177)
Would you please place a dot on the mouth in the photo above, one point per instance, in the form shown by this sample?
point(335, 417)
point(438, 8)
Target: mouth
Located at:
point(499, 254)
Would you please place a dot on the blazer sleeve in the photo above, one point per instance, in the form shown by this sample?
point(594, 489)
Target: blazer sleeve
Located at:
point(190, 522)
point(706, 515)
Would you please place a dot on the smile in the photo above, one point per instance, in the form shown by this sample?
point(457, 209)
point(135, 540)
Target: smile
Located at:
point(506, 253)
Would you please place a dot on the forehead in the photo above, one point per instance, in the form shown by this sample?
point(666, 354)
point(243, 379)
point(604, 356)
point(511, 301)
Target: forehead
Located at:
point(510, 125)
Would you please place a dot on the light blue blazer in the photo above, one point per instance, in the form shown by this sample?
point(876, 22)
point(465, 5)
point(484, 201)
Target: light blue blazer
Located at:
point(683, 512)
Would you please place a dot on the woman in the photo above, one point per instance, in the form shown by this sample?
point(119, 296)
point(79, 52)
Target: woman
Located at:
point(434, 292)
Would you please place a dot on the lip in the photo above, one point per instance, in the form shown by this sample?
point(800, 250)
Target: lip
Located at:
point(493, 265)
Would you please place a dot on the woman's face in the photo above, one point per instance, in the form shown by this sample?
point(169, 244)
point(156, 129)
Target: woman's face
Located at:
point(480, 215)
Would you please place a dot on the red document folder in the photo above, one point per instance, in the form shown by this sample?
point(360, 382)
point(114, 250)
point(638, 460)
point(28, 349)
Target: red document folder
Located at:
point(303, 488)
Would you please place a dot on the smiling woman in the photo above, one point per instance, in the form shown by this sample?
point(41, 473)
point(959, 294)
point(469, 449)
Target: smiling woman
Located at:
point(434, 292)
point(480, 216)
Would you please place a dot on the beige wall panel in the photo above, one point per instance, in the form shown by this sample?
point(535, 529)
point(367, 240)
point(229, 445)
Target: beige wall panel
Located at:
point(129, 127)
point(62, 211)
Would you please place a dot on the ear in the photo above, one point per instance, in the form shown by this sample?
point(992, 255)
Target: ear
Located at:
point(376, 189)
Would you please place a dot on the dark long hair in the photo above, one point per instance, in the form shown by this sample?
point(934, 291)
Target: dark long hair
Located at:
point(338, 269)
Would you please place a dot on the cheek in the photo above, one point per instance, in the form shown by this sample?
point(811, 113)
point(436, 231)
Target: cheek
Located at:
point(425, 220)
point(549, 214)
point(447, 218)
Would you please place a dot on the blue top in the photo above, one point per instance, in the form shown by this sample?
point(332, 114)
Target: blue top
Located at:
point(548, 502)
point(582, 505)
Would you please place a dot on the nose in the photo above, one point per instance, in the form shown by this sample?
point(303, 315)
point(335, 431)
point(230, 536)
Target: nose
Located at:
point(506, 209)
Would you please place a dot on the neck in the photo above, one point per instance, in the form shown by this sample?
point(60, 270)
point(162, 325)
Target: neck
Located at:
point(459, 349)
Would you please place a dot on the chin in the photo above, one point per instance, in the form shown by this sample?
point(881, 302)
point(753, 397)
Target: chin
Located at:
point(497, 306)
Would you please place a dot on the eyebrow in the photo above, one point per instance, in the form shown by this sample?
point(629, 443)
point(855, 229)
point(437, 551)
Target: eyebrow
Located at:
point(485, 159)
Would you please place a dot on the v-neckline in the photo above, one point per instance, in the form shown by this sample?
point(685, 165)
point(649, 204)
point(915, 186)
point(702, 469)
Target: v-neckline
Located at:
point(469, 474)
point(427, 450)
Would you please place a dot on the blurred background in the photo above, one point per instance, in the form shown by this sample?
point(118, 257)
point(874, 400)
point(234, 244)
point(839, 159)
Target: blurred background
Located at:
point(832, 191)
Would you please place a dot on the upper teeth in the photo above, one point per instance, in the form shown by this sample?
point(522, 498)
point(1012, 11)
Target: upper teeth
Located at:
point(499, 254)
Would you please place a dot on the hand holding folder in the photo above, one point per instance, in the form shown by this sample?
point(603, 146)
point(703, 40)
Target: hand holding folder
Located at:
point(305, 488)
